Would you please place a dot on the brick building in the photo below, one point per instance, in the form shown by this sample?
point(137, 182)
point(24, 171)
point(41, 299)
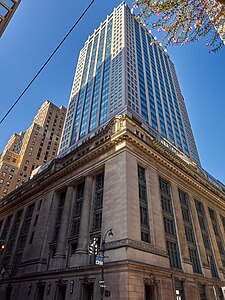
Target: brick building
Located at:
point(30, 149)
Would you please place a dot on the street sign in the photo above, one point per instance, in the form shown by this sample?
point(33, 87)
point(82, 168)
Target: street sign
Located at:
point(99, 260)
point(102, 283)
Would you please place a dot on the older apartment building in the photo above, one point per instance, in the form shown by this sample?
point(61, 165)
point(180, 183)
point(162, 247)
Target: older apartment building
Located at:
point(30, 149)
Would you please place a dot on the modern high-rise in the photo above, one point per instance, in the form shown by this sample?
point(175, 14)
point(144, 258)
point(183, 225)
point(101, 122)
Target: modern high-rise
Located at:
point(30, 149)
point(166, 213)
point(7, 9)
point(120, 71)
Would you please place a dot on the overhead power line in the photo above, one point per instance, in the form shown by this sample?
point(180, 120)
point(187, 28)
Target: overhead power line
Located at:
point(46, 62)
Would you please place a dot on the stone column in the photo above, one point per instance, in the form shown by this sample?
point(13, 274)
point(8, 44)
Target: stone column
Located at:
point(45, 225)
point(83, 237)
point(61, 244)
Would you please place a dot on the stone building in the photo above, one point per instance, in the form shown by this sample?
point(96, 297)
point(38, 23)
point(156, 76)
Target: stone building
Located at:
point(166, 213)
point(30, 149)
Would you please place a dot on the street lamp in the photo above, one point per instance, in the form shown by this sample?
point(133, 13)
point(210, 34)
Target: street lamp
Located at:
point(2, 246)
point(3, 269)
point(109, 233)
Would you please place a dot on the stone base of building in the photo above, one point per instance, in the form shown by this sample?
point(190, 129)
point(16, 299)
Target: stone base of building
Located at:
point(123, 281)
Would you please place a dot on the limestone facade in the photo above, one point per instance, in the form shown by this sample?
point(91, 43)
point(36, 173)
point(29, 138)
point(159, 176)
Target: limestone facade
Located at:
point(168, 222)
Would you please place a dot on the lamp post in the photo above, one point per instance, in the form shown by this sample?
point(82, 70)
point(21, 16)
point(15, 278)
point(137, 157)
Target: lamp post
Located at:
point(2, 246)
point(3, 268)
point(109, 233)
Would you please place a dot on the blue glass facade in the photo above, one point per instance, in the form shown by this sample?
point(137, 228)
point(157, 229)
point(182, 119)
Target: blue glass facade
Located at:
point(97, 81)
point(106, 77)
point(120, 71)
point(156, 85)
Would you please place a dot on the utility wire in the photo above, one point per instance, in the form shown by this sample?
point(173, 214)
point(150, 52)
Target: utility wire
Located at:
point(47, 61)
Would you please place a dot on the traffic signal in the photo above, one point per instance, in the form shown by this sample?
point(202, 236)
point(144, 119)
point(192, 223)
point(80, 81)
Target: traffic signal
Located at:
point(96, 249)
point(93, 247)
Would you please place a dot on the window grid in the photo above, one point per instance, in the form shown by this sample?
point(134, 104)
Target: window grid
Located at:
point(12, 236)
point(189, 232)
point(205, 237)
point(6, 228)
point(59, 215)
point(98, 202)
point(77, 210)
point(143, 205)
point(217, 235)
point(169, 224)
point(22, 238)
point(106, 76)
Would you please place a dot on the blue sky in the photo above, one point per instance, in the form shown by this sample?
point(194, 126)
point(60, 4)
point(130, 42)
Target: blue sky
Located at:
point(36, 29)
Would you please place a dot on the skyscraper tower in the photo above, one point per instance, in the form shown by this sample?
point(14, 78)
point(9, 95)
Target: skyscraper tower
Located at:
point(165, 215)
point(119, 71)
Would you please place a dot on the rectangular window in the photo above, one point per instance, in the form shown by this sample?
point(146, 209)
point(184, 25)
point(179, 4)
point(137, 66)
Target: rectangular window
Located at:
point(193, 253)
point(149, 292)
point(59, 215)
point(98, 202)
point(73, 248)
point(16, 224)
point(6, 228)
point(223, 221)
point(174, 255)
point(31, 238)
point(23, 237)
point(206, 237)
point(16, 263)
point(201, 289)
point(143, 204)
point(169, 224)
point(189, 232)
point(217, 234)
point(77, 209)
point(179, 288)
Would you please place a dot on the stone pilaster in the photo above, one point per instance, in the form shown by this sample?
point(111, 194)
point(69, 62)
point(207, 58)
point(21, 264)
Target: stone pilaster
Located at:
point(115, 197)
point(43, 229)
point(156, 218)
